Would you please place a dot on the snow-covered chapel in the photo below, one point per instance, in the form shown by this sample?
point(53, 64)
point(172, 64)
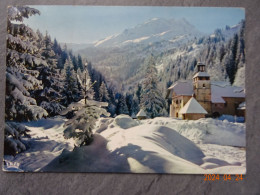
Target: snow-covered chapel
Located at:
point(200, 97)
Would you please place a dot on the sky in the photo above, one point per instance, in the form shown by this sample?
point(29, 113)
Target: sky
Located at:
point(87, 24)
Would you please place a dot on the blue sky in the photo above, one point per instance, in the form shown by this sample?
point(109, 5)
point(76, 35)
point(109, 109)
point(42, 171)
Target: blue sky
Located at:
point(84, 24)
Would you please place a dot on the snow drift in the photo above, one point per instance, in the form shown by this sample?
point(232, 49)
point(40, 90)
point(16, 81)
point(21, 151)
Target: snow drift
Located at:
point(121, 144)
point(125, 121)
point(207, 131)
point(142, 149)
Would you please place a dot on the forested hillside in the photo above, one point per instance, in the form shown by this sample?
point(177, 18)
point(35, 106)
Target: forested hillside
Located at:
point(125, 65)
point(223, 54)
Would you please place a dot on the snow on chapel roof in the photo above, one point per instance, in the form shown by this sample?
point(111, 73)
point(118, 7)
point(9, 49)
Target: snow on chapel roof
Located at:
point(201, 74)
point(192, 106)
point(220, 89)
point(141, 113)
point(182, 88)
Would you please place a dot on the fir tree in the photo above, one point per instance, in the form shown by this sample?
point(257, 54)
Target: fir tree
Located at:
point(22, 61)
point(85, 81)
point(135, 105)
point(129, 103)
point(80, 126)
point(121, 105)
point(53, 96)
point(47, 50)
point(80, 63)
point(112, 104)
point(13, 143)
point(103, 93)
point(75, 63)
point(22, 67)
point(56, 48)
point(85, 114)
point(240, 56)
point(64, 57)
point(71, 85)
point(151, 100)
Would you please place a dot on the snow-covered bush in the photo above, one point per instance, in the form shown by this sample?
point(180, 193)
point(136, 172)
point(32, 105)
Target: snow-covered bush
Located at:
point(13, 143)
point(80, 126)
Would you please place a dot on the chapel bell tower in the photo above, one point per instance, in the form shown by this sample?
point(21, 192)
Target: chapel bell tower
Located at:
point(202, 87)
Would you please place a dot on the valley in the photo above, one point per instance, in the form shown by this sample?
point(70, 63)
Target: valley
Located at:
point(176, 46)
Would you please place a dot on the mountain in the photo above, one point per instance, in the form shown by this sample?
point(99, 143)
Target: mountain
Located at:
point(228, 32)
point(176, 46)
point(154, 30)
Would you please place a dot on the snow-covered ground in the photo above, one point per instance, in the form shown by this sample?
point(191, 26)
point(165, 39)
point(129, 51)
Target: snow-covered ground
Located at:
point(46, 143)
point(121, 144)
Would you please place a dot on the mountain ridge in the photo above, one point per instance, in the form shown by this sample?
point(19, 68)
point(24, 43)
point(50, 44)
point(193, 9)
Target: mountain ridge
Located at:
point(153, 30)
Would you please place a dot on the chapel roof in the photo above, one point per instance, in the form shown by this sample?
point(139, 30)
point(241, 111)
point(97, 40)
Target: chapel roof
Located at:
point(219, 90)
point(141, 113)
point(181, 88)
point(192, 107)
point(201, 74)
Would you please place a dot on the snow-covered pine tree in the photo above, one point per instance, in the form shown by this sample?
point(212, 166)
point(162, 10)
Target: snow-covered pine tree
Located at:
point(231, 66)
point(71, 85)
point(74, 62)
point(80, 63)
point(23, 60)
point(56, 47)
point(129, 102)
point(40, 41)
point(47, 51)
point(152, 101)
point(103, 93)
point(97, 77)
point(52, 96)
point(135, 105)
point(59, 54)
point(13, 143)
point(86, 112)
point(63, 57)
point(22, 63)
point(138, 92)
point(112, 103)
point(84, 80)
point(240, 58)
point(80, 126)
point(121, 105)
